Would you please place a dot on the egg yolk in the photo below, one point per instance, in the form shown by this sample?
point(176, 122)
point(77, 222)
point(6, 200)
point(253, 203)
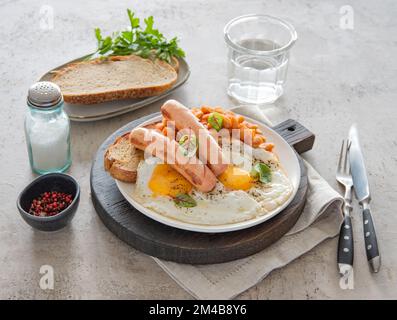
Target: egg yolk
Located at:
point(166, 181)
point(236, 179)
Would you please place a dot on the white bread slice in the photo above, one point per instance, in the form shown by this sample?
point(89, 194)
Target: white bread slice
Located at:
point(118, 77)
point(122, 158)
point(175, 64)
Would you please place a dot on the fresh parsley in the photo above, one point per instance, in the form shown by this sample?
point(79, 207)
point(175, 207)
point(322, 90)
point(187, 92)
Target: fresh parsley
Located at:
point(216, 121)
point(146, 42)
point(261, 172)
point(188, 145)
point(185, 200)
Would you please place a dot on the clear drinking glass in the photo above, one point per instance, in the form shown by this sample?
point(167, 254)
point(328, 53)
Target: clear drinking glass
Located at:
point(259, 48)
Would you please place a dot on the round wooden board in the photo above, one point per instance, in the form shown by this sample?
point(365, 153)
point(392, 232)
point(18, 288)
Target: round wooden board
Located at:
point(158, 240)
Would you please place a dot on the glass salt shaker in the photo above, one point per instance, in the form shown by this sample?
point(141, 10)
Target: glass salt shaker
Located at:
point(47, 129)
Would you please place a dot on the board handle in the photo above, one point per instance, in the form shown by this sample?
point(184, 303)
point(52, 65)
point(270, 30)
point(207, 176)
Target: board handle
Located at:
point(298, 136)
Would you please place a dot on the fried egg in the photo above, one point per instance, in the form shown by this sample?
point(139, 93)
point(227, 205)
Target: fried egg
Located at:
point(165, 181)
point(235, 178)
point(158, 183)
point(236, 197)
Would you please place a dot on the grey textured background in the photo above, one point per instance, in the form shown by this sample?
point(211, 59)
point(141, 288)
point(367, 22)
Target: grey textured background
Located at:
point(336, 77)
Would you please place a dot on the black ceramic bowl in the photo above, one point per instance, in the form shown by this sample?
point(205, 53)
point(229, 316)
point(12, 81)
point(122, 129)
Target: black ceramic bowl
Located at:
point(49, 182)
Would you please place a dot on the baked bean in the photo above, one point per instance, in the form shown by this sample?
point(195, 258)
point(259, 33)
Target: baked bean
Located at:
point(257, 140)
point(267, 146)
point(251, 125)
point(199, 114)
point(205, 116)
point(240, 119)
point(246, 135)
point(227, 122)
point(206, 109)
point(235, 124)
point(249, 132)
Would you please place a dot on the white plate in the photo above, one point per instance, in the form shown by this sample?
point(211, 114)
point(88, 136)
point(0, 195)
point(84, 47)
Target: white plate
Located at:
point(100, 111)
point(288, 160)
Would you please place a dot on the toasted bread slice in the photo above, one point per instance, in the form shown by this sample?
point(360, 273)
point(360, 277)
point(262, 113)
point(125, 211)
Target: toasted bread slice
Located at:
point(118, 77)
point(175, 64)
point(122, 158)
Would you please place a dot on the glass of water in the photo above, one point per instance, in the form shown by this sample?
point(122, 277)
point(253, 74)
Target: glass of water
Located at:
point(259, 48)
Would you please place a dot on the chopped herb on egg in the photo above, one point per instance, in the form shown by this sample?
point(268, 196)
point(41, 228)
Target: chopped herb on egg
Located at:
point(185, 200)
point(261, 172)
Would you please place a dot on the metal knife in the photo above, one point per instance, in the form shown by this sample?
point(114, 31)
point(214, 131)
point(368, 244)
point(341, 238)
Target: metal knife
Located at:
point(361, 188)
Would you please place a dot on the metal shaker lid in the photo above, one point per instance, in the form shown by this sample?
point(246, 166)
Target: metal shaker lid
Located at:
point(44, 94)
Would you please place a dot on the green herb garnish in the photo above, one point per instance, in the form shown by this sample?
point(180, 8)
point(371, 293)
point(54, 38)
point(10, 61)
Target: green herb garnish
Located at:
point(216, 121)
point(185, 200)
point(188, 145)
point(145, 42)
point(262, 172)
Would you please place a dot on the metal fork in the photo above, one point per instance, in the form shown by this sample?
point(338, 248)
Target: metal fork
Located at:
point(345, 243)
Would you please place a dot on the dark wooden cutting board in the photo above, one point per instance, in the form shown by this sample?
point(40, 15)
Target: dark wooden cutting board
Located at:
point(158, 240)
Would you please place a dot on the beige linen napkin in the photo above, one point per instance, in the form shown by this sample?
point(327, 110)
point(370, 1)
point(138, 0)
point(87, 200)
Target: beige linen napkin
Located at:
point(320, 220)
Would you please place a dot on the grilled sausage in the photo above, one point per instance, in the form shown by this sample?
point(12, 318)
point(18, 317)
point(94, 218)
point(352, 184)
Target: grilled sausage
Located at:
point(160, 146)
point(209, 150)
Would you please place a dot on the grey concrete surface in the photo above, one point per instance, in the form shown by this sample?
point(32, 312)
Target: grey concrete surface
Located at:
point(336, 77)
